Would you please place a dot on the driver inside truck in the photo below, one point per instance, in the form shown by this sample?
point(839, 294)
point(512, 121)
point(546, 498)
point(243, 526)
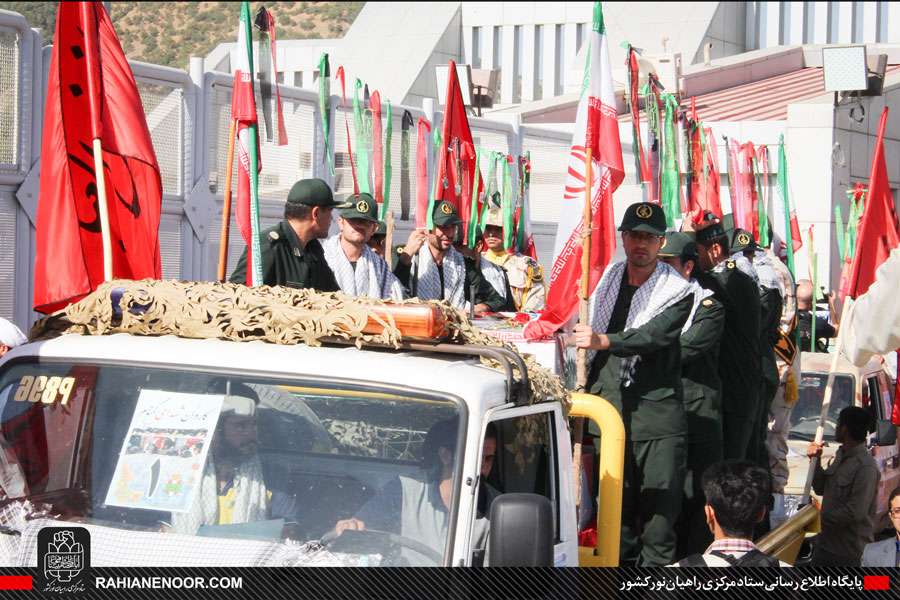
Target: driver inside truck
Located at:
point(233, 489)
point(419, 508)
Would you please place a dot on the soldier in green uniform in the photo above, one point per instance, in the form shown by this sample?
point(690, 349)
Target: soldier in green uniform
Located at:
point(771, 304)
point(432, 269)
point(637, 313)
point(290, 251)
point(739, 355)
point(700, 339)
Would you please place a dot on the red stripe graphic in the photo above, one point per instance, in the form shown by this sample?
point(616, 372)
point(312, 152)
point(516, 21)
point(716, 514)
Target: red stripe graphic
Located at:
point(876, 582)
point(22, 582)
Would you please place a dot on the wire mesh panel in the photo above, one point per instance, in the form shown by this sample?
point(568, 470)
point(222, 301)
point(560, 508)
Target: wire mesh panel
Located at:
point(9, 99)
point(164, 109)
point(8, 249)
point(170, 246)
point(549, 165)
point(283, 165)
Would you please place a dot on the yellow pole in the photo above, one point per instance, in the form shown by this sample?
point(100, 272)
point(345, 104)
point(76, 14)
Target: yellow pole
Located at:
point(226, 206)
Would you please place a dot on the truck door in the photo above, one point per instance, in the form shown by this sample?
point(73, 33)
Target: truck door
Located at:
point(527, 459)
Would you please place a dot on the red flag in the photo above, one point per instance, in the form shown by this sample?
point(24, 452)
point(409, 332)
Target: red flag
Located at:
point(424, 128)
point(91, 93)
point(377, 151)
point(340, 75)
point(709, 192)
point(879, 231)
point(453, 185)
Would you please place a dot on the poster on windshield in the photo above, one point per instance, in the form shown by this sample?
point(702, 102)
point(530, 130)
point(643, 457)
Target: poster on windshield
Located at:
point(161, 463)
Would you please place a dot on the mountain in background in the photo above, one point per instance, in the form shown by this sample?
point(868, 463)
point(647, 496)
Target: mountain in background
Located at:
point(169, 33)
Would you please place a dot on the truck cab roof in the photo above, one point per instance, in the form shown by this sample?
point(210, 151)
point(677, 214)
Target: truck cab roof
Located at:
point(480, 387)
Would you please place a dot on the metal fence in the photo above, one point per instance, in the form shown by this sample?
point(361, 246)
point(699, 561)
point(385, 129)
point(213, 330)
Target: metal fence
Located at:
point(188, 114)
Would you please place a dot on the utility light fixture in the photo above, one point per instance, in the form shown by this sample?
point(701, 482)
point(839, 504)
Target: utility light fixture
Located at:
point(845, 68)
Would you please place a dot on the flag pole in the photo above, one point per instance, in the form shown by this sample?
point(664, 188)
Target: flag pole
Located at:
point(389, 239)
point(226, 206)
point(103, 211)
point(584, 290)
point(846, 312)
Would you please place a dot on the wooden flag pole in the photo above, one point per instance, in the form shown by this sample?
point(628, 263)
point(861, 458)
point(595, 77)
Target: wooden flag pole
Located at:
point(103, 211)
point(389, 239)
point(846, 312)
point(583, 317)
point(226, 205)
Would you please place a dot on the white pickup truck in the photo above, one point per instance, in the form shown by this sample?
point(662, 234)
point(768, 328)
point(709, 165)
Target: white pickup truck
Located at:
point(125, 435)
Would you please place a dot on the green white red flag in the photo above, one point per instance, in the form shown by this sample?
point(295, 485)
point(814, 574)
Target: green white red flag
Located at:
point(597, 128)
point(786, 237)
point(243, 111)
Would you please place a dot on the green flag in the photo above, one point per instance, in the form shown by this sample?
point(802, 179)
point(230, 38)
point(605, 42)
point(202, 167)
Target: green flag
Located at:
point(387, 162)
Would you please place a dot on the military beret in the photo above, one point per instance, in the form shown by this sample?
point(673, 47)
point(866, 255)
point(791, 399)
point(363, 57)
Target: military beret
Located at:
point(712, 232)
point(644, 216)
point(361, 206)
point(742, 240)
point(313, 192)
point(679, 245)
point(444, 214)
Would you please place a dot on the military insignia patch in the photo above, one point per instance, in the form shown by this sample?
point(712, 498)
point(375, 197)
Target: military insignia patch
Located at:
point(707, 302)
point(445, 208)
point(730, 264)
point(273, 235)
point(644, 211)
point(400, 249)
point(362, 207)
point(743, 239)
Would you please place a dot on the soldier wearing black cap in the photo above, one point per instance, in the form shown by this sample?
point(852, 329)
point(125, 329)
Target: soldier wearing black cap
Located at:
point(432, 269)
point(700, 339)
point(739, 353)
point(638, 311)
point(290, 251)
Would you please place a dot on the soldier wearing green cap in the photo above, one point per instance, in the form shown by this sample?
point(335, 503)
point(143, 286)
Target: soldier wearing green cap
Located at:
point(637, 313)
point(432, 269)
point(700, 339)
point(521, 278)
point(290, 251)
point(357, 269)
point(739, 353)
point(377, 241)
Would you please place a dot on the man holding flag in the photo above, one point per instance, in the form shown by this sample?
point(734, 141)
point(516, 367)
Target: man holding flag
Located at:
point(637, 313)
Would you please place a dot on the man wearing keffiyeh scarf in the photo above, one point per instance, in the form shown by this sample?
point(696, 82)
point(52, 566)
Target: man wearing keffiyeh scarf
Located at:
point(637, 314)
point(739, 349)
point(359, 271)
point(700, 339)
point(432, 269)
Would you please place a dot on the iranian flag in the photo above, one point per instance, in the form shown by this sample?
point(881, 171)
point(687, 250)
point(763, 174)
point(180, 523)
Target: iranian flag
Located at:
point(786, 238)
point(243, 111)
point(597, 128)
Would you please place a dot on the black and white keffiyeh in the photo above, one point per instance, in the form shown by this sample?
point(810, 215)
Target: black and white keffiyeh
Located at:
point(700, 294)
point(766, 270)
point(663, 288)
point(251, 498)
point(371, 277)
point(495, 274)
point(428, 280)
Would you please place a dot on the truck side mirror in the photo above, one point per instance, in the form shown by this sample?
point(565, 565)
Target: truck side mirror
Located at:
point(521, 531)
point(885, 433)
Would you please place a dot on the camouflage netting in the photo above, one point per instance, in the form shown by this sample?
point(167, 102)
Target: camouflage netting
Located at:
point(273, 314)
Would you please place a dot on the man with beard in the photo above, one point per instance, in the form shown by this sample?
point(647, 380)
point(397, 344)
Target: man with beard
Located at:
point(290, 251)
point(233, 489)
point(358, 270)
point(637, 313)
point(739, 354)
point(700, 339)
point(437, 271)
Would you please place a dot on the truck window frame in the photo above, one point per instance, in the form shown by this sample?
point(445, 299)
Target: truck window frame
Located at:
point(301, 380)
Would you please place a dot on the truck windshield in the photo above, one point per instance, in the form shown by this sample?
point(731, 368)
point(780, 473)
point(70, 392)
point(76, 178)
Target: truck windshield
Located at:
point(805, 416)
point(338, 474)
